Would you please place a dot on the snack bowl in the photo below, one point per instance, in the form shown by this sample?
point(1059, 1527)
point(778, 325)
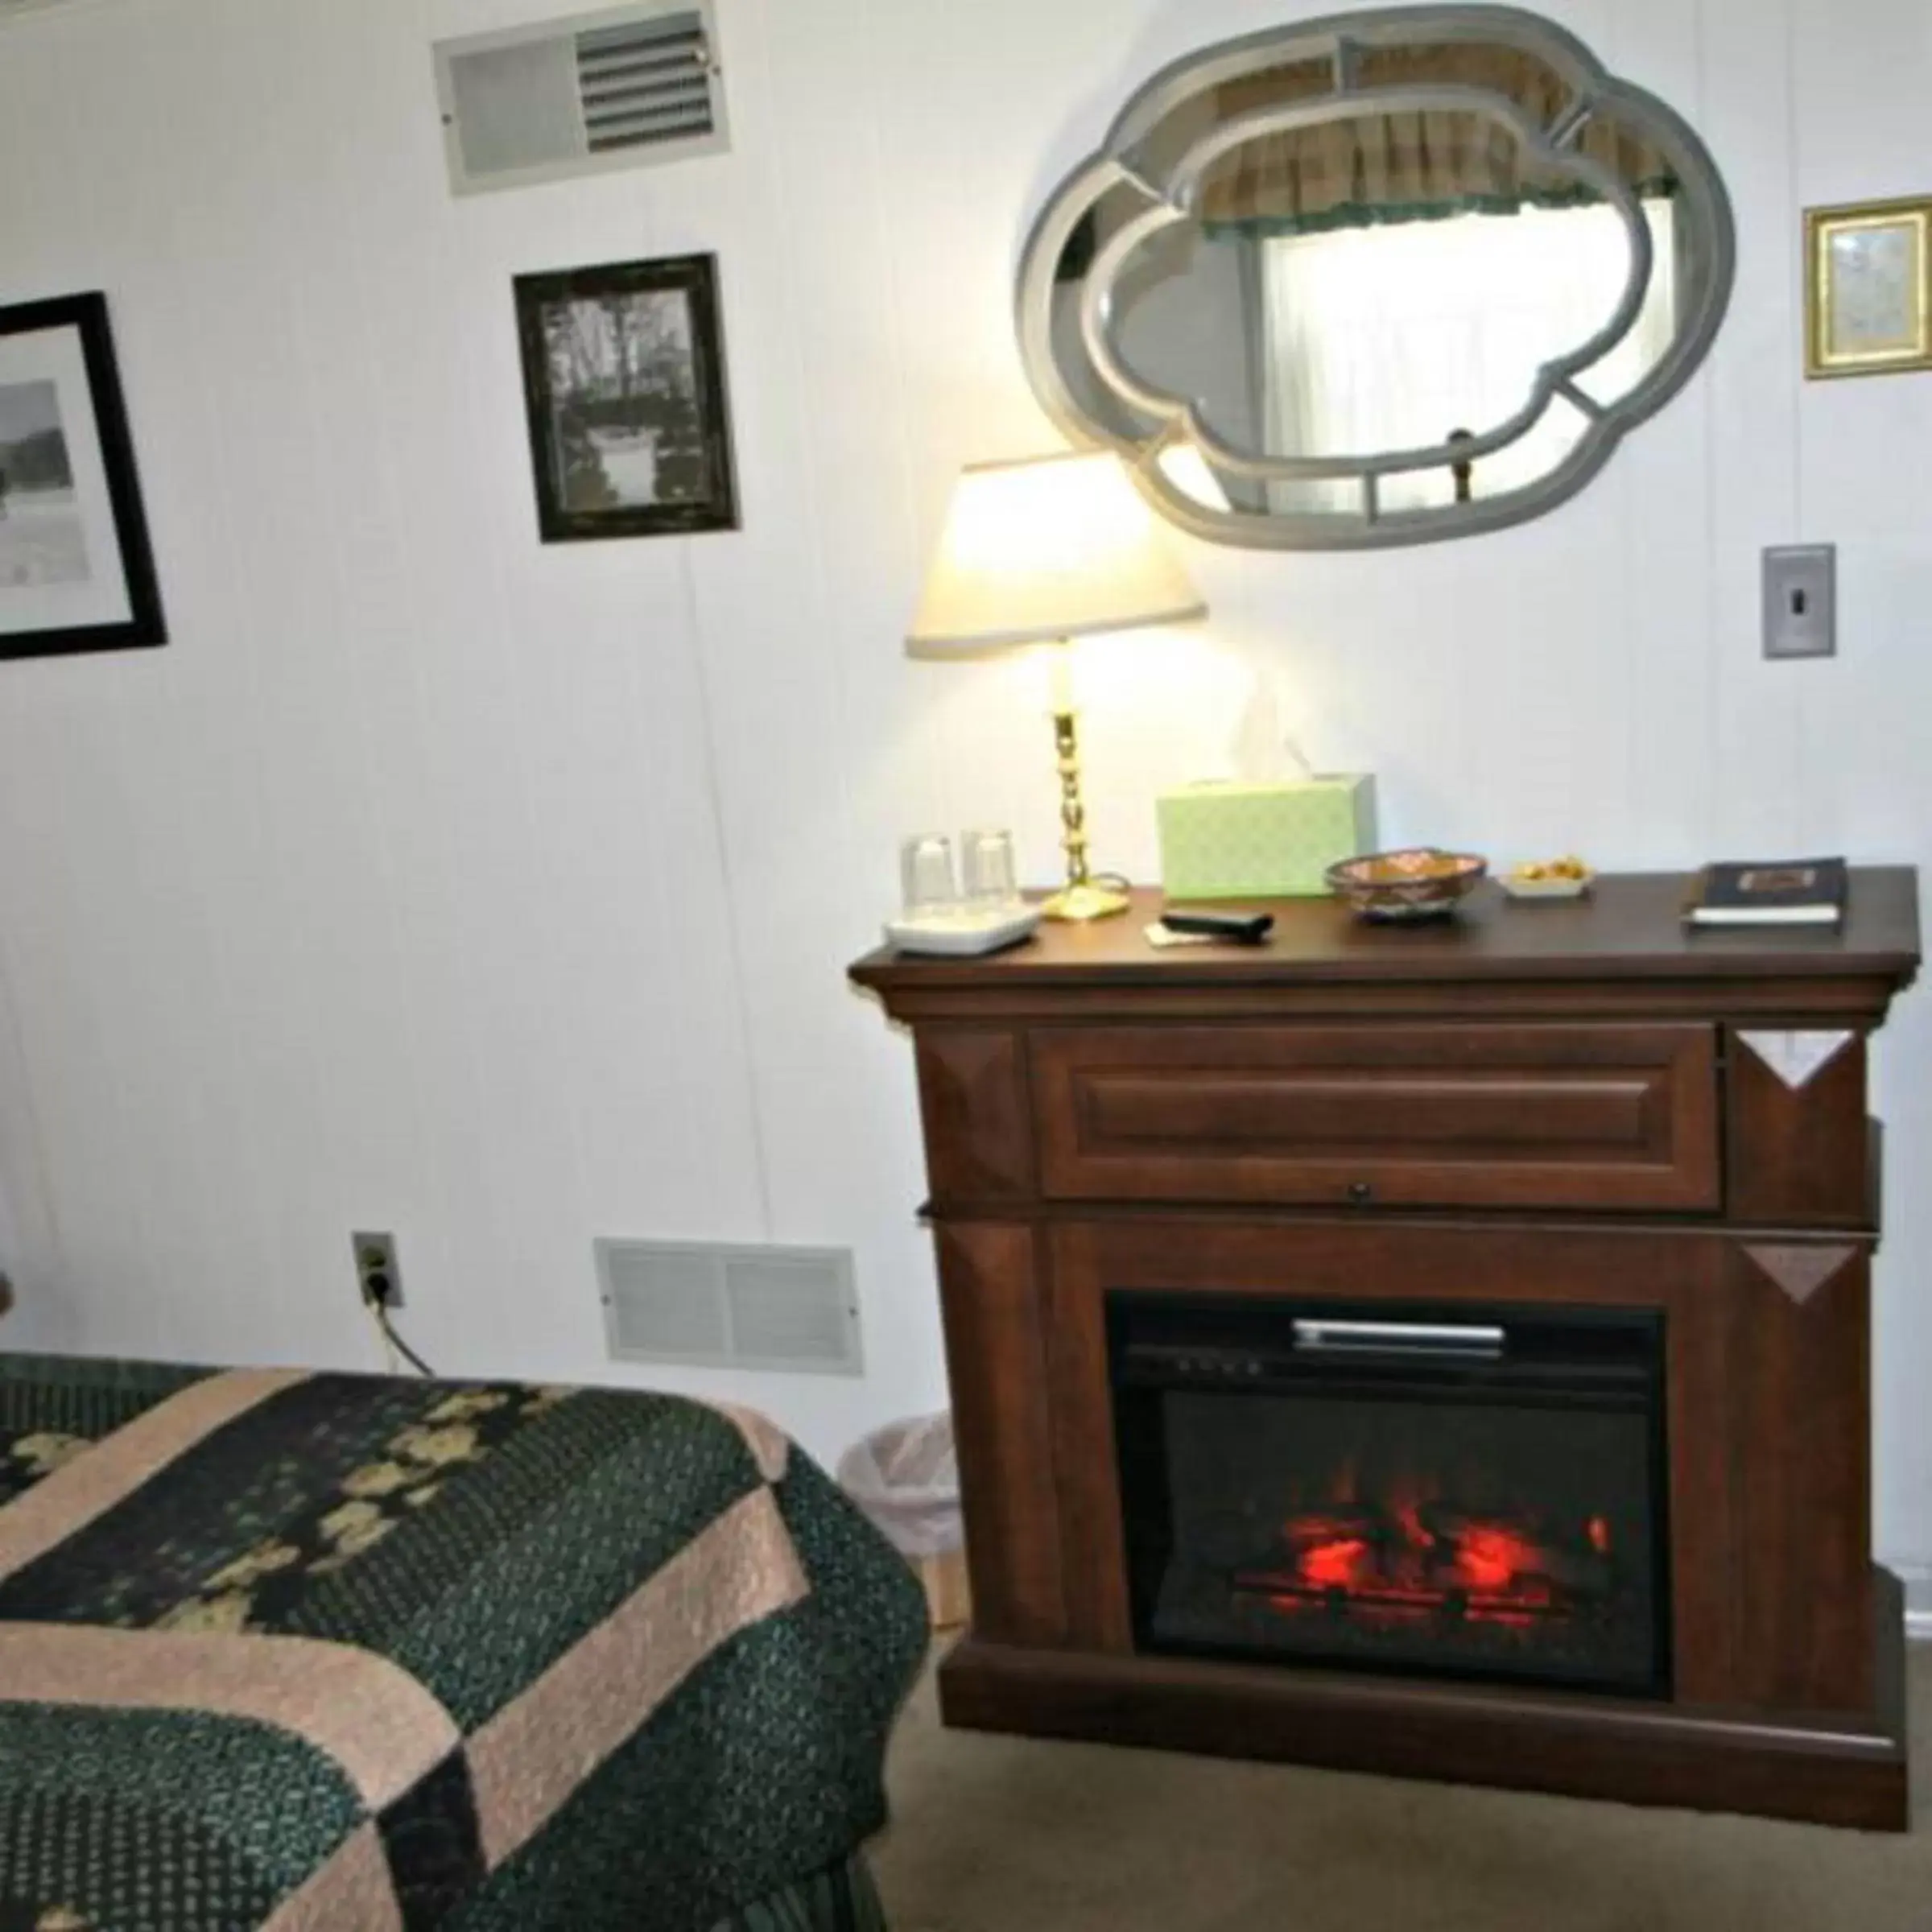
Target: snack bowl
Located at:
point(1418, 882)
point(1564, 878)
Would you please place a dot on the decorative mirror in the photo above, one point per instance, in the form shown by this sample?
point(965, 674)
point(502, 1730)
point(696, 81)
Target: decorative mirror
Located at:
point(1380, 279)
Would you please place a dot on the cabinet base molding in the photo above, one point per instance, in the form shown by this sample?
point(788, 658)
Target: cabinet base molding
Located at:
point(1850, 1772)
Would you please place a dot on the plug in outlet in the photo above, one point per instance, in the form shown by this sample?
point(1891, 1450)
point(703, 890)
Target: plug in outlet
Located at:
point(378, 1278)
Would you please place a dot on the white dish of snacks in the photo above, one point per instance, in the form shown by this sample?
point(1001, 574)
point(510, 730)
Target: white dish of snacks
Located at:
point(1564, 878)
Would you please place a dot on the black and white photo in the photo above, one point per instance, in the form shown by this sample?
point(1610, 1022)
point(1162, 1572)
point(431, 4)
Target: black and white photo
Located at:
point(624, 375)
point(76, 573)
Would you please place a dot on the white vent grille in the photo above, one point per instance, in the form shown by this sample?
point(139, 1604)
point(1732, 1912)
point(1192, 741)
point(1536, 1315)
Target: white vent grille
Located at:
point(581, 96)
point(646, 83)
point(787, 1310)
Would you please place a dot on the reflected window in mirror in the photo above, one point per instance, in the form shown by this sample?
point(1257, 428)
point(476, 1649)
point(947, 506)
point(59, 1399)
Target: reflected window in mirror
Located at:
point(1401, 335)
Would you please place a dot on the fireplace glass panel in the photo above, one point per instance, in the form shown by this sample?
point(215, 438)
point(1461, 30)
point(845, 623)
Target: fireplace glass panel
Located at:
point(1469, 1495)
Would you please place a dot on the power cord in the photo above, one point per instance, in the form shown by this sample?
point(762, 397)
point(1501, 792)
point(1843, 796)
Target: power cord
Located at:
point(388, 1348)
point(378, 1286)
point(396, 1342)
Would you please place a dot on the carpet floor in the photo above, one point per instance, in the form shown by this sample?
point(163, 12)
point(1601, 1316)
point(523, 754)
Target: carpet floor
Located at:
point(1009, 1834)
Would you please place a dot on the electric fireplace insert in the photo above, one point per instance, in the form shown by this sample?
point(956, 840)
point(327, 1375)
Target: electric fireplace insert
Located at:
point(1465, 1492)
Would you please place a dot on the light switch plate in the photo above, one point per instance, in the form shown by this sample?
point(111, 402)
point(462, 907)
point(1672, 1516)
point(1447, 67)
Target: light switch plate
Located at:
point(1800, 600)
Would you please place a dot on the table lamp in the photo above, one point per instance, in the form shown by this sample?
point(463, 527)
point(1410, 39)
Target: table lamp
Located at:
point(1041, 552)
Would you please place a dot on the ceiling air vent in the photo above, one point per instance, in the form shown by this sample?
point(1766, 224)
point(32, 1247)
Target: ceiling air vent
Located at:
point(580, 96)
point(791, 1309)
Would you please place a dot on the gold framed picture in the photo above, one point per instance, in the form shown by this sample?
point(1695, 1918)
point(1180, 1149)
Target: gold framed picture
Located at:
point(1869, 288)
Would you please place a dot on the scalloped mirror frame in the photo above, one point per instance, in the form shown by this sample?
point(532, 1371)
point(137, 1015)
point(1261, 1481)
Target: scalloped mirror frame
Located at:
point(1703, 209)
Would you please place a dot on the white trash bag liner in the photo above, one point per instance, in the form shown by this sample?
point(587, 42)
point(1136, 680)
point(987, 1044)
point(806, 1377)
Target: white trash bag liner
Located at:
point(907, 1479)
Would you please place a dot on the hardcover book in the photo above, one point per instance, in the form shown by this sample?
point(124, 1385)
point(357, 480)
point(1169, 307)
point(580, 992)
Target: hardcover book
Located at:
point(1778, 892)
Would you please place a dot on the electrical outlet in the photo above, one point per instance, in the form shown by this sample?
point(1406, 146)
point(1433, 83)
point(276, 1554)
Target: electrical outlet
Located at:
point(1800, 600)
point(378, 1278)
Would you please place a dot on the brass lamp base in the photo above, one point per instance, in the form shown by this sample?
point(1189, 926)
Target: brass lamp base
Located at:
point(1084, 901)
point(1079, 899)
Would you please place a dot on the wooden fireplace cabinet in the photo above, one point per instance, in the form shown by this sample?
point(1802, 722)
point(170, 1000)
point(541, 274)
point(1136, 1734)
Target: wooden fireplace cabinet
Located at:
point(1579, 1104)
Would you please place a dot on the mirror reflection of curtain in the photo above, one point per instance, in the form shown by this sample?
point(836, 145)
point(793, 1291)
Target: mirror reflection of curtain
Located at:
point(1362, 166)
point(1391, 337)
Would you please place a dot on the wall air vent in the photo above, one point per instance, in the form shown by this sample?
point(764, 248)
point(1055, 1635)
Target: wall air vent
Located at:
point(580, 96)
point(787, 1310)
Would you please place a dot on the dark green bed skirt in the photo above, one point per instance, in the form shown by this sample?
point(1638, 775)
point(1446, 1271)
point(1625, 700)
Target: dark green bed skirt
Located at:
point(840, 1900)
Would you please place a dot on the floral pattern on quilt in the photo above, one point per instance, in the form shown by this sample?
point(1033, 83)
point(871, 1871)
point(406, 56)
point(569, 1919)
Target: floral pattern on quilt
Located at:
point(459, 1428)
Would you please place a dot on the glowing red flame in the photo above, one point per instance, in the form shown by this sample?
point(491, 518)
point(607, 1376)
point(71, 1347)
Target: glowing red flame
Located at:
point(1332, 1565)
point(1413, 1556)
point(1490, 1556)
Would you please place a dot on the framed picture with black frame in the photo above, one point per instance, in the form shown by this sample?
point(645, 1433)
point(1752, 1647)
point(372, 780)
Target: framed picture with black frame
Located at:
point(624, 380)
point(76, 569)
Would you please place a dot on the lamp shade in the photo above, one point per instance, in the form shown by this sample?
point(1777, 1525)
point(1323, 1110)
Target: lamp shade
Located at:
point(1060, 547)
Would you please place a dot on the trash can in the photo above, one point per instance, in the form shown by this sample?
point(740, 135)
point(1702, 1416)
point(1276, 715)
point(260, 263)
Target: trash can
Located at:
point(905, 1478)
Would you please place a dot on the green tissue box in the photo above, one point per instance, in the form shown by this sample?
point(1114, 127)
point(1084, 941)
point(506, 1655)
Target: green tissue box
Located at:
point(1273, 841)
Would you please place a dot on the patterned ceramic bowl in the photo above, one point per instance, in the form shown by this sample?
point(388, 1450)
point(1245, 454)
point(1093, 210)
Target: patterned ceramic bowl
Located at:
point(1421, 883)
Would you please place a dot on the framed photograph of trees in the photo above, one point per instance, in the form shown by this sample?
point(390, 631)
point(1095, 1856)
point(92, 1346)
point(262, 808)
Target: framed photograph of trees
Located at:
point(76, 571)
point(624, 379)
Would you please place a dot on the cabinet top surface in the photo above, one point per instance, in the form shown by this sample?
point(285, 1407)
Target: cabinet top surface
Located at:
point(1630, 925)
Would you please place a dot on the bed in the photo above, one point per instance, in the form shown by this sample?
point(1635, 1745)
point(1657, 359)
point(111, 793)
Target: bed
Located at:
point(322, 1652)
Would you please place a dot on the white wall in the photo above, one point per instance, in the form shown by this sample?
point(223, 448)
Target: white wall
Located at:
point(499, 894)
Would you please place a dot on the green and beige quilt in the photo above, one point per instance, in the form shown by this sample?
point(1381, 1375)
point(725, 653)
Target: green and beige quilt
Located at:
point(321, 1653)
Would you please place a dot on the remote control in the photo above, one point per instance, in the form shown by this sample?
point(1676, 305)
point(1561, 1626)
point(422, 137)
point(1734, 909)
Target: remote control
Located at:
point(1237, 928)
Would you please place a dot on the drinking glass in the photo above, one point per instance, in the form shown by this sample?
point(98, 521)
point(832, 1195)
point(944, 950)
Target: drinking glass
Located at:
point(926, 874)
point(991, 880)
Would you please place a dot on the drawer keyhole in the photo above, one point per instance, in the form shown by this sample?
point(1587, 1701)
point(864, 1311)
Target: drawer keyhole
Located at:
point(1361, 1194)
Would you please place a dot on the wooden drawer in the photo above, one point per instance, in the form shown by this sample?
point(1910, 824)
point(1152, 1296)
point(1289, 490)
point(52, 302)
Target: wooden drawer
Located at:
point(1575, 1117)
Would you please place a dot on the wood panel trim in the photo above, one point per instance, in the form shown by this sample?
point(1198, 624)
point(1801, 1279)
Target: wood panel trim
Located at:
point(1556, 1221)
point(1797, 1147)
point(1703, 1524)
point(1605, 1116)
point(1800, 1268)
point(1098, 1613)
point(1798, 1372)
point(976, 1110)
point(1795, 1055)
point(990, 1288)
point(1860, 1002)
